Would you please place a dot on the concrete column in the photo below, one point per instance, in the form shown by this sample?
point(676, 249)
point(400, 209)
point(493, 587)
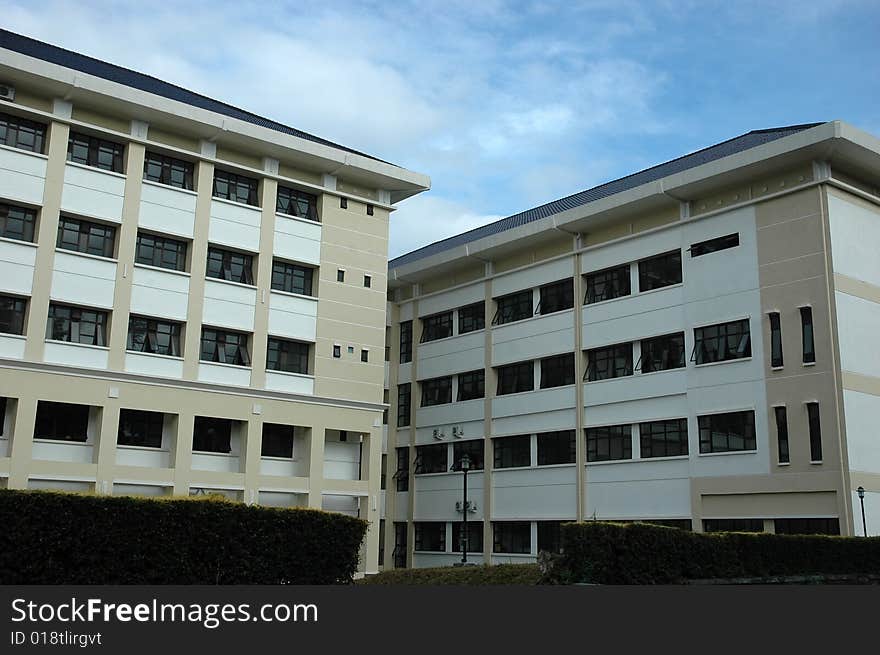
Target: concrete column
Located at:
point(263, 276)
point(316, 466)
point(414, 397)
point(46, 237)
point(105, 446)
point(490, 385)
point(22, 442)
point(252, 442)
point(182, 455)
point(579, 370)
point(199, 264)
point(125, 253)
point(371, 462)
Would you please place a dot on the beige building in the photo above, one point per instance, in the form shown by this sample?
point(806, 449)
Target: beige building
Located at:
point(694, 344)
point(192, 297)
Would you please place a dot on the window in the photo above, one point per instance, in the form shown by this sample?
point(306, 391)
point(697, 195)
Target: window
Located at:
point(431, 458)
point(514, 378)
point(556, 447)
point(430, 536)
point(815, 432)
point(92, 151)
point(21, 133)
point(340, 275)
point(556, 297)
point(83, 236)
point(550, 536)
point(140, 428)
point(12, 312)
point(401, 475)
point(720, 343)
point(660, 271)
point(368, 281)
point(237, 188)
point(474, 535)
point(365, 355)
point(17, 222)
point(212, 435)
point(383, 480)
point(807, 335)
point(714, 245)
point(473, 448)
point(721, 433)
point(404, 392)
point(77, 325)
point(155, 336)
point(405, 342)
point(782, 434)
point(436, 327)
point(229, 265)
point(664, 438)
point(662, 353)
point(61, 421)
point(807, 526)
point(292, 278)
point(733, 525)
point(343, 203)
point(225, 347)
point(609, 362)
point(369, 210)
point(557, 371)
point(168, 170)
point(297, 203)
point(610, 442)
point(512, 537)
point(288, 356)
point(337, 351)
point(775, 341)
point(607, 284)
point(471, 385)
point(437, 391)
point(511, 452)
point(277, 441)
point(160, 251)
point(515, 307)
point(681, 524)
point(472, 318)
point(400, 547)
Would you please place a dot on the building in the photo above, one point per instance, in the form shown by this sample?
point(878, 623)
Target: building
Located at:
point(693, 344)
point(192, 297)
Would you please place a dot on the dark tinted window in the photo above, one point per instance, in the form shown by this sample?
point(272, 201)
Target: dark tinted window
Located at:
point(471, 385)
point(607, 284)
point(664, 438)
point(726, 341)
point(61, 421)
point(556, 447)
point(154, 336)
point(514, 307)
point(713, 245)
point(294, 202)
point(168, 170)
point(721, 433)
point(660, 271)
point(12, 312)
point(83, 236)
point(17, 222)
point(212, 435)
point(21, 133)
point(609, 362)
point(289, 356)
point(77, 325)
point(556, 297)
point(609, 442)
point(140, 428)
point(515, 378)
point(225, 347)
point(472, 317)
point(557, 371)
point(662, 353)
point(510, 452)
point(229, 265)
point(237, 188)
point(160, 251)
point(92, 151)
point(292, 278)
point(277, 440)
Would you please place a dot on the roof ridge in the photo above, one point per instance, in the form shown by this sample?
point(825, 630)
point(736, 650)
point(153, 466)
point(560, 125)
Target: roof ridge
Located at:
point(592, 190)
point(7, 35)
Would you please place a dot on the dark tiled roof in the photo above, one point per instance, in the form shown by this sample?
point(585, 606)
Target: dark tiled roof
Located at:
point(60, 56)
point(712, 153)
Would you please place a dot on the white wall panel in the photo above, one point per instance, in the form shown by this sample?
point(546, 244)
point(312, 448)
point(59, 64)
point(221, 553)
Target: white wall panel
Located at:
point(159, 293)
point(17, 267)
point(167, 209)
point(533, 338)
point(12, 346)
point(338, 503)
point(448, 300)
point(93, 192)
point(533, 276)
point(22, 175)
point(229, 305)
point(281, 499)
point(75, 354)
point(862, 440)
point(631, 250)
point(855, 233)
point(661, 384)
point(436, 496)
point(858, 324)
point(292, 316)
point(147, 457)
point(284, 467)
point(297, 239)
point(217, 462)
point(457, 354)
point(536, 493)
point(224, 374)
point(634, 499)
point(234, 225)
point(290, 382)
point(342, 460)
point(82, 280)
point(158, 365)
point(59, 451)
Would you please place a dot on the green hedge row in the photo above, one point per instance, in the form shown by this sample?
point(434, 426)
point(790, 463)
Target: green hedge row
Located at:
point(500, 574)
point(61, 538)
point(638, 553)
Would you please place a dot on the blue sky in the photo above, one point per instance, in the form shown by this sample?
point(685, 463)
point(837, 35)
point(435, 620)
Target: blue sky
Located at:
point(506, 105)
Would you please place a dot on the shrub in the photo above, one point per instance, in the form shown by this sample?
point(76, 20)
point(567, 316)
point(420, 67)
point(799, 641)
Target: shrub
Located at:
point(62, 538)
point(500, 574)
point(638, 553)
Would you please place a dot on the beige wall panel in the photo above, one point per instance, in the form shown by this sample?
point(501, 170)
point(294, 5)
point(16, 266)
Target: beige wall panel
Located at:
point(775, 505)
point(356, 190)
point(26, 98)
point(292, 172)
point(173, 139)
point(510, 262)
point(250, 160)
point(357, 241)
point(795, 205)
point(351, 220)
point(791, 239)
point(606, 233)
point(97, 119)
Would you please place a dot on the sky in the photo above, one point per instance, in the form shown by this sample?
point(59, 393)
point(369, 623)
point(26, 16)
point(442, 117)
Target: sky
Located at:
point(505, 105)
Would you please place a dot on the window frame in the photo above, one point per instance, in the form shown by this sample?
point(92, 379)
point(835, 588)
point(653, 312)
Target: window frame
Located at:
point(436, 391)
point(513, 307)
point(715, 244)
point(429, 459)
point(15, 125)
point(506, 541)
point(777, 359)
point(14, 316)
point(614, 278)
point(662, 431)
point(436, 327)
point(152, 342)
point(62, 419)
point(401, 475)
point(475, 379)
point(153, 422)
point(609, 354)
point(285, 276)
point(27, 219)
point(617, 441)
point(665, 343)
point(85, 232)
point(556, 297)
point(294, 198)
point(724, 332)
point(406, 344)
point(168, 166)
point(705, 427)
point(808, 335)
point(162, 246)
point(222, 341)
point(556, 438)
point(814, 423)
point(783, 453)
point(221, 440)
point(467, 322)
point(475, 449)
point(404, 409)
point(235, 182)
point(508, 452)
point(227, 261)
point(513, 374)
point(277, 434)
point(95, 148)
point(557, 371)
point(97, 318)
point(648, 280)
point(291, 356)
point(429, 542)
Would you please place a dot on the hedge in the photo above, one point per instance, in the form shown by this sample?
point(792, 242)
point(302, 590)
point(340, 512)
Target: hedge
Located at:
point(638, 553)
point(500, 574)
point(64, 538)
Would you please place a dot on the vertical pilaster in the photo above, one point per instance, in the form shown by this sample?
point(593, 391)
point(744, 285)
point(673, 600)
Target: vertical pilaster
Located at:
point(182, 455)
point(579, 366)
point(413, 404)
point(371, 453)
point(47, 233)
point(125, 249)
point(22, 444)
point(490, 385)
point(268, 195)
point(250, 455)
point(316, 466)
point(105, 443)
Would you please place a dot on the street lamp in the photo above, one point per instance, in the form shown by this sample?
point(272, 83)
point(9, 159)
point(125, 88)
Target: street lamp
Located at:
point(465, 465)
point(861, 492)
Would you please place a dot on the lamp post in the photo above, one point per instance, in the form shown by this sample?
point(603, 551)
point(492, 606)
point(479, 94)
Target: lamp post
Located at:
point(861, 492)
point(465, 465)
